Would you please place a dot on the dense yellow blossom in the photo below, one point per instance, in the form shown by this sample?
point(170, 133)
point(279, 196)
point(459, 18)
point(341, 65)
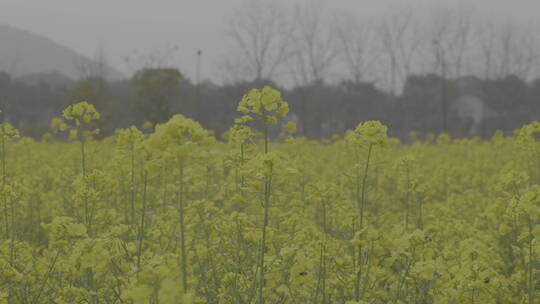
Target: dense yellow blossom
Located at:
point(172, 215)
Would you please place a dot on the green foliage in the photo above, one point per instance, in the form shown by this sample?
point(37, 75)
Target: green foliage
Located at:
point(156, 94)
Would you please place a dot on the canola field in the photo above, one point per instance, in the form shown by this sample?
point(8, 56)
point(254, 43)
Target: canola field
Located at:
point(169, 214)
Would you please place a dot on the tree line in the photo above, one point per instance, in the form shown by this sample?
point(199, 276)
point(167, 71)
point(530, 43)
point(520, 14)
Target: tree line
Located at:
point(302, 43)
point(320, 110)
point(449, 70)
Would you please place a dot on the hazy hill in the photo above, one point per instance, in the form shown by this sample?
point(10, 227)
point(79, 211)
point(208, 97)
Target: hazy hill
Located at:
point(24, 53)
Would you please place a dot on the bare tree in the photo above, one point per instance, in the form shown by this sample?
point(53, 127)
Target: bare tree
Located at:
point(261, 32)
point(315, 45)
point(154, 59)
point(358, 42)
point(486, 36)
point(449, 36)
point(400, 41)
point(441, 60)
point(507, 49)
point(516, 50)
point(97, 67)
point(452, 29)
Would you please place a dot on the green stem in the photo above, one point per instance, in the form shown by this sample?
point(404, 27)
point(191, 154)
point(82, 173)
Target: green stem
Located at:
point(4, 175)
point(420, 212)
point(182, 231)
point(325, 230)
point(407, 201)
point(12, 242)
point(141, 230)
point(207, 189)
point(132, 186)
point(362, 201)
point(324, 276)
point(85, 198)
point(531, 288)
point(238, 297)
point(363, 194)
point(402, 279)
point(267, 186)
point(4, 180)
point(242, 179)
point(321, 281)
point(209, 247)
point(83, 157)
point(265, 137)
point(49, 271)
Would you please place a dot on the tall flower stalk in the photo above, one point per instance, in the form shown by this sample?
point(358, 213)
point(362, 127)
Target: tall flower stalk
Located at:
point(366, 136)
point(129, 142)
point(177, 143)
point(8, 134)
point(267, 106)
point(81, 115)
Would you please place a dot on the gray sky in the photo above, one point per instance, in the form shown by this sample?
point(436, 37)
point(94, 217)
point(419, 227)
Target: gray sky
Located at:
point(128, 25)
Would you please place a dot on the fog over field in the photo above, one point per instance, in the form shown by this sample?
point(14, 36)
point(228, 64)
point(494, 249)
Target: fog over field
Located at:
point(463, 67)
point(270, 151)
point(125, 27)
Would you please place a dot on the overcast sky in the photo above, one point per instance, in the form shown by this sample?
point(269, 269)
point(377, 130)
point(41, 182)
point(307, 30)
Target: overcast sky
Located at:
point(125, 26)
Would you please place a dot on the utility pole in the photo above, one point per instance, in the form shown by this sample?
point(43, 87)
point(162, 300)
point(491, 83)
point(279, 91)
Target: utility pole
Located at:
point(439, 53)
point(198, 106)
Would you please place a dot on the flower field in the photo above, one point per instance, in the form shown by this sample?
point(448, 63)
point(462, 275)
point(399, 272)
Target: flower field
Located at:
point(169, 214)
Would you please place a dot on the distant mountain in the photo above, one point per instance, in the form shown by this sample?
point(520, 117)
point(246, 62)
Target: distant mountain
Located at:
point(23, 53)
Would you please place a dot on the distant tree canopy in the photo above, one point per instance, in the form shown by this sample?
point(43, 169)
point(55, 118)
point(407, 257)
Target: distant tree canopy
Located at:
point(442, 70)
point(97, 92)
point(156, 94)
point(5, 80)
point(321, 110)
